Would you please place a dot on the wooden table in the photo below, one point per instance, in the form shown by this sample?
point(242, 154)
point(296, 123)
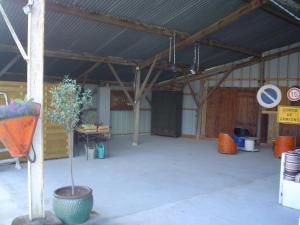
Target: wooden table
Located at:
point(88, 135)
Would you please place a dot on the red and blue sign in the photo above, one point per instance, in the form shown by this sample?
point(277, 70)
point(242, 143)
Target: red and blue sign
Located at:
point(269, 96)
point(293, 94)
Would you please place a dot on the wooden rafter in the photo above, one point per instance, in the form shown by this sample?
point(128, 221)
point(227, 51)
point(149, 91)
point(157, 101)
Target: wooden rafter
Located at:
point(231, 47)
point(243, 10)
point(48, 77)
point(109, 19)
point(77, 56)
point(220, 82)
point(118, 21)
point(84, 75)
point(140, 26)
point(153, 80)
point(9, 65)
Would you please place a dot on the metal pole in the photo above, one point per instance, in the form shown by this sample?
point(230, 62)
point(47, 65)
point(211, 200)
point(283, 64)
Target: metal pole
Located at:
point(35, 79)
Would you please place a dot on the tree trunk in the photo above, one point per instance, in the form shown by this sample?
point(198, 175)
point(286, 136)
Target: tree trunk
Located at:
point(71, 158)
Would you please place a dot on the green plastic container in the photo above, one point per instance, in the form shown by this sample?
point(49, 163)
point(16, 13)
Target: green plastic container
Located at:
point(100, 151)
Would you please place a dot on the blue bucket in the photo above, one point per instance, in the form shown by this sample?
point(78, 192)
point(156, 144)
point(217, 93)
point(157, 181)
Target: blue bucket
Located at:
point(100, 151)
point(240, 141)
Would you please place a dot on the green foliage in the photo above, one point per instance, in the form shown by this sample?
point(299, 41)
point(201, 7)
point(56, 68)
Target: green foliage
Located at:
point(68, 101)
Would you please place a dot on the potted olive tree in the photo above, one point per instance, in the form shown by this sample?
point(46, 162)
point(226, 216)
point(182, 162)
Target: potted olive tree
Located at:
point(72, 204)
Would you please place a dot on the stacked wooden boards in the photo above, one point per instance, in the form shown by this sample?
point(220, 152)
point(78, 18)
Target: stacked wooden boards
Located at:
point(55, 138)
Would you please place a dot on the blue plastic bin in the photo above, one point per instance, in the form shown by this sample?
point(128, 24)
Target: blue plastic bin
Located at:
point(240, 141)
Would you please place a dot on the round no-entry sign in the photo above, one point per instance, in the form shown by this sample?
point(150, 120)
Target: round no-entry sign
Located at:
point(293, 94)
point(269, 96)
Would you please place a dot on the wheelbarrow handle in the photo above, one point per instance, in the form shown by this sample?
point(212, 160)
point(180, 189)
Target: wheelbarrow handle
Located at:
point(5, 97)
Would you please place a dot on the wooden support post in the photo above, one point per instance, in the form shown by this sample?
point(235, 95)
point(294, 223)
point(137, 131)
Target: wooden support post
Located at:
point(259, 110)
point(35, 79)
point(136, 108)
point(9, 65)
point(114, 72)
point(84, 75)
point(141, 90)
point(200, 111)
point(203, 111)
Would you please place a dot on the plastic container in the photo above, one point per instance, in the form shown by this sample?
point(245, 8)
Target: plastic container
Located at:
point(100, 151)
point(91, 153)
point(241, 132)
point(240, 141)
point(284, 144)
point(226, 144)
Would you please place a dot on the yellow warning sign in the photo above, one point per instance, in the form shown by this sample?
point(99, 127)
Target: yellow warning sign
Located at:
point(288, 114)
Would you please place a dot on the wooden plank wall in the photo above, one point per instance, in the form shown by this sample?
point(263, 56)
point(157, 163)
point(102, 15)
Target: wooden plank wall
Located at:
point(55, 138)
point(231, 107)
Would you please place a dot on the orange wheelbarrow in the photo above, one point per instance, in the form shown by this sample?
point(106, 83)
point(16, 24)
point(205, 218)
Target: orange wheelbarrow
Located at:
point(17, 126)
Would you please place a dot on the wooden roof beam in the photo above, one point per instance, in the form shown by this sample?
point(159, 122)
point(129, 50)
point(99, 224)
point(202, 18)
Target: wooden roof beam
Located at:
point(243, 10)
point(113, 20)
point(110, 19)
point(230, 47)
point(77, 56)
point(139, 26)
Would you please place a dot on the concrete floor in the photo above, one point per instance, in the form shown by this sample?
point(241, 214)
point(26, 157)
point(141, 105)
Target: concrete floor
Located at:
point(164, 181)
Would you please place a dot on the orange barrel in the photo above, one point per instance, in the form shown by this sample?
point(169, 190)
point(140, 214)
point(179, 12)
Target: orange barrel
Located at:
point(284, 144)
point(226, 144)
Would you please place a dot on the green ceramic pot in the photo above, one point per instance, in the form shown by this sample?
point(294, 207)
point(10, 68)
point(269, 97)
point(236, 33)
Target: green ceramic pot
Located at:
point(73, 209)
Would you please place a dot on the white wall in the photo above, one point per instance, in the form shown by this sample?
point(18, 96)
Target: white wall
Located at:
point(280, 71)
point(122, 120)
point(90, 116)
point(189, 115)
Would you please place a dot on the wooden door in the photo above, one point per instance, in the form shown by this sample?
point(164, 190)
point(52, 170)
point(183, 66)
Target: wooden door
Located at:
point(221, 112)
point(247, 110)
point(231, 107)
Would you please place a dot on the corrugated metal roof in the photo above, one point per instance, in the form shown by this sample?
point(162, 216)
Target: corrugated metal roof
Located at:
point(172, 14)
point(258, 30)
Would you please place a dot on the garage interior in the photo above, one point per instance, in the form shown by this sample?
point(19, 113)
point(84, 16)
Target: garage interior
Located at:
point(163, 165)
